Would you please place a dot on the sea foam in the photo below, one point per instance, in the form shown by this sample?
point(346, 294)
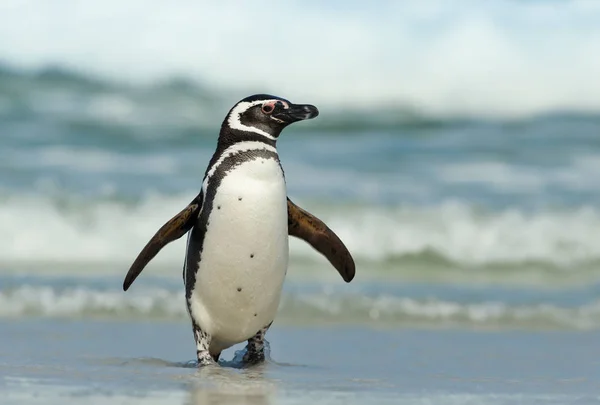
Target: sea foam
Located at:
point(161, 303)
point(38, 228)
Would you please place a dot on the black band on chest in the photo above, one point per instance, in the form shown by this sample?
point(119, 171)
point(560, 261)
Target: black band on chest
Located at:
point(198, 232)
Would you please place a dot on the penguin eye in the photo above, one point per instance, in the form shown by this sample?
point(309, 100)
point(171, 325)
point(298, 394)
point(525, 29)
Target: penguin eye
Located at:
point(268, 108)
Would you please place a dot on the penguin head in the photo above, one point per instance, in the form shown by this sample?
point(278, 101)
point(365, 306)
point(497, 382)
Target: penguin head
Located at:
point(267, 115)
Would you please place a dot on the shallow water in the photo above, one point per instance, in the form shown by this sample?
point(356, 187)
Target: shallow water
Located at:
point(56, 362)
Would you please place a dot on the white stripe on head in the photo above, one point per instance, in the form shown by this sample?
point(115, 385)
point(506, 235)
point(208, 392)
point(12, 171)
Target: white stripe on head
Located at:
point(234, 121)
point(233, 150)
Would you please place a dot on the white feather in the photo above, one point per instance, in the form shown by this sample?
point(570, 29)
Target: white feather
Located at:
point(235, 149)
point(246, 247)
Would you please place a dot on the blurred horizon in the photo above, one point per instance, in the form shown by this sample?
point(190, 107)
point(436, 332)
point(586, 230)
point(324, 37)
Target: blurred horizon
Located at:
point(437, 59)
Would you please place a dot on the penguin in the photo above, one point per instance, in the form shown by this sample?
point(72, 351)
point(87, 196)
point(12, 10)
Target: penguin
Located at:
point(238, 229)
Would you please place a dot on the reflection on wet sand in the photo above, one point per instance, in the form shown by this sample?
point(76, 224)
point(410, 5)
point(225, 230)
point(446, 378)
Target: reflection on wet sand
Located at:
point(226, 385)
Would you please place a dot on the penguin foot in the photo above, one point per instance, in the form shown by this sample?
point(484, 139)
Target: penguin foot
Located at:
point(205, 359)
point(255, 349)
point(202, 348)
point(253, 357)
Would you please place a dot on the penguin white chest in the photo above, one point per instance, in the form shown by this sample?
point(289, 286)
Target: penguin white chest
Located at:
point(244, 255)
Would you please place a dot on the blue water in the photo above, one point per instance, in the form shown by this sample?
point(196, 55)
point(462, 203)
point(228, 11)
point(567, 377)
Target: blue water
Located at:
point(456, 154)
point(475, 222)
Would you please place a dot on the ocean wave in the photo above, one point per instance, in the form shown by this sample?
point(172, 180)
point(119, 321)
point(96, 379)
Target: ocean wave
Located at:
point(185, 109)
point(61, 230)
point(384, 309)
point(175, 108)
point(441, 59)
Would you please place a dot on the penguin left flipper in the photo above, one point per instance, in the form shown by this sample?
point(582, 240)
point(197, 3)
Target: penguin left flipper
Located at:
point(174, 229)
point(311, 229)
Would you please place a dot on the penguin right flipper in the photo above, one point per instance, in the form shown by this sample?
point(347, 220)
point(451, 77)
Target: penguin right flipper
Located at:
point(304, 225)
point(174, 229)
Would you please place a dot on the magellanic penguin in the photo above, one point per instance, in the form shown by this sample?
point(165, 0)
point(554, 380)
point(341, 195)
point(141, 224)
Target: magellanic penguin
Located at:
point(237, 249)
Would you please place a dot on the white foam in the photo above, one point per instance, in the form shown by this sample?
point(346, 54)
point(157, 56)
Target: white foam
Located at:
point(90, 160)
point(153, 303)
point(101, 232)
point(36, 229)
point(461, 234)
point(579, 174)
point(75, 302)
point(445, 58)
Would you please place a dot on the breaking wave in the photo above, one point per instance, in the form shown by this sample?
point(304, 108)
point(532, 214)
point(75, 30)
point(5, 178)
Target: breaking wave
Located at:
point(185, 109)
point(39, 229)
point(384, 309)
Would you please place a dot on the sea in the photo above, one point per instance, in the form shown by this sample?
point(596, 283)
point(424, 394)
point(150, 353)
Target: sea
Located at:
point(456, 154)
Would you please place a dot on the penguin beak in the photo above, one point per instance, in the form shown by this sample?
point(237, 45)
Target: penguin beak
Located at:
point(296, 112)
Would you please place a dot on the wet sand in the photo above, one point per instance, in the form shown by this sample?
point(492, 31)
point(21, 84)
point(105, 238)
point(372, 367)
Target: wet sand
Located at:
point(107, 362)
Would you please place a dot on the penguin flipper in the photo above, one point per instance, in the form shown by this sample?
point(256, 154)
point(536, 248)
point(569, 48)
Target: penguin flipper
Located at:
point(174, 229)
point(312, 230)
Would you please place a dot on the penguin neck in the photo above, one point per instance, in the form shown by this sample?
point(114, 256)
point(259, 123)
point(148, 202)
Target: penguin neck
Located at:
point(229, 136)
point(231, 141)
